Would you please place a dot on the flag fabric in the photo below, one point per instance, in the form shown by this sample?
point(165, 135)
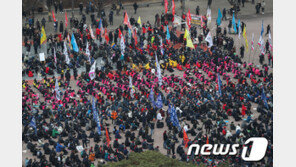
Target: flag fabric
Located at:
point(119, 33)
point(173, 116)
point(92, 72)
point(185, 138)
point(151, 95)
point(233, 23)
point(106, 35)
point(246, 40)
point(209, 13)
point(67, 59)
point(122, 45)
point(209, 39)
point(54, 19)
point(219, 18)
point(57, 89)
point(91, 32)
point(269, 40)
point(158, 103)
point(43, 36)
point(173, 7)
point(189, 41)
point(161, 47)
point(74, 44)
point(132, 91)
point(54, 56)
point(207, 142)
point(219, 85)
point(261, 35)
point(96, 116)
point(239, 28)
point(262, 48)
point(66, 19)
point(168, 36)
point(188, 18)
point(166, 6)
point(33, 124)
point(126, 20)
point(100, 24)
point(186, 34)
point(87, 52)
point(139, 21)
point(263, 97)
point(158, 71)
point(252, 41)
point(107, 137)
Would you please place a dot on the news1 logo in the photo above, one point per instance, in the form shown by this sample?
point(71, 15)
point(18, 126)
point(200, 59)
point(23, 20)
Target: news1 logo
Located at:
point(256, 153)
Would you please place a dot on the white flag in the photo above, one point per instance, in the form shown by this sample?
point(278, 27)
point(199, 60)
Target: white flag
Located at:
point(262, 48)
point(122, 45)
point(253, 41)
point(269, 40)
point(158, 71)
point(209, 17)
point(87, 51)
point(91, 32)
point(131, 86)
point(57, 89)
point(55, 56)
point(209, 39)
point(66, 53)
point(92, 72)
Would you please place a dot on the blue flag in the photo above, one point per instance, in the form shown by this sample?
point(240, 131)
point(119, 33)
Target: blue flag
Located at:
point(158, 103)
point(219, 19)
point(74, 44)
point(233, 23)
point(263, 97)
point(173, 116)
point(100, 24)
point(219, 85)
point(151, 97)
point(262, 29)
point(96, 116)
point(168, 36)
point(33, 124)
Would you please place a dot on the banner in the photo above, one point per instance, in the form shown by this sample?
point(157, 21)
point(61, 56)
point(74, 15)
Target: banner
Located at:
point(196, 20)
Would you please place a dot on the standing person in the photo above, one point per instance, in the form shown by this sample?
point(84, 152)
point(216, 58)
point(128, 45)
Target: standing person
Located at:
point(263, 6)
point(55, 7)
point(135, 7)
point(197, 10)
point(43, 21)
point(243, 2)
point(267, 29)
point(61, 7)
point(75, 72)
point(80, 8)
point(224, 14)
point(61, 27)
point(242, 51)
point(68, 76)
point(111, 18)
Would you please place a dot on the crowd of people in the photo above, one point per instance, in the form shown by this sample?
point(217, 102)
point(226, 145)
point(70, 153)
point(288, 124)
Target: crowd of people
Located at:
point(132, 102)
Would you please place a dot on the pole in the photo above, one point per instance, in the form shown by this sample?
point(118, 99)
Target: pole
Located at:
point(72, 9)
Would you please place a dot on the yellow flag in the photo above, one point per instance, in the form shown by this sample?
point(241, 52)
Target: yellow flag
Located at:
point(43, 35)
point(173, 63)
point(139, 21)
point(246, 40)
point(186, 33)
point(189, 43)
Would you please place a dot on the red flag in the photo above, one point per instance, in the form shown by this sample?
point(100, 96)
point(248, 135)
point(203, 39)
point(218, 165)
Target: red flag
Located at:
point(207, 140)
point(126, 20)
point(135, 38)
point(106, 36)
point(54, 19)
point(66, 19)
point(185, 138)
point(244, 110)
point(173, 6)
point(166, 6)
point(107, 137)
point(119, 33)
point(189, 19)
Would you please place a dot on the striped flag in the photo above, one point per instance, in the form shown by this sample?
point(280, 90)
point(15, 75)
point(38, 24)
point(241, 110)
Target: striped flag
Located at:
point(96, 116)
